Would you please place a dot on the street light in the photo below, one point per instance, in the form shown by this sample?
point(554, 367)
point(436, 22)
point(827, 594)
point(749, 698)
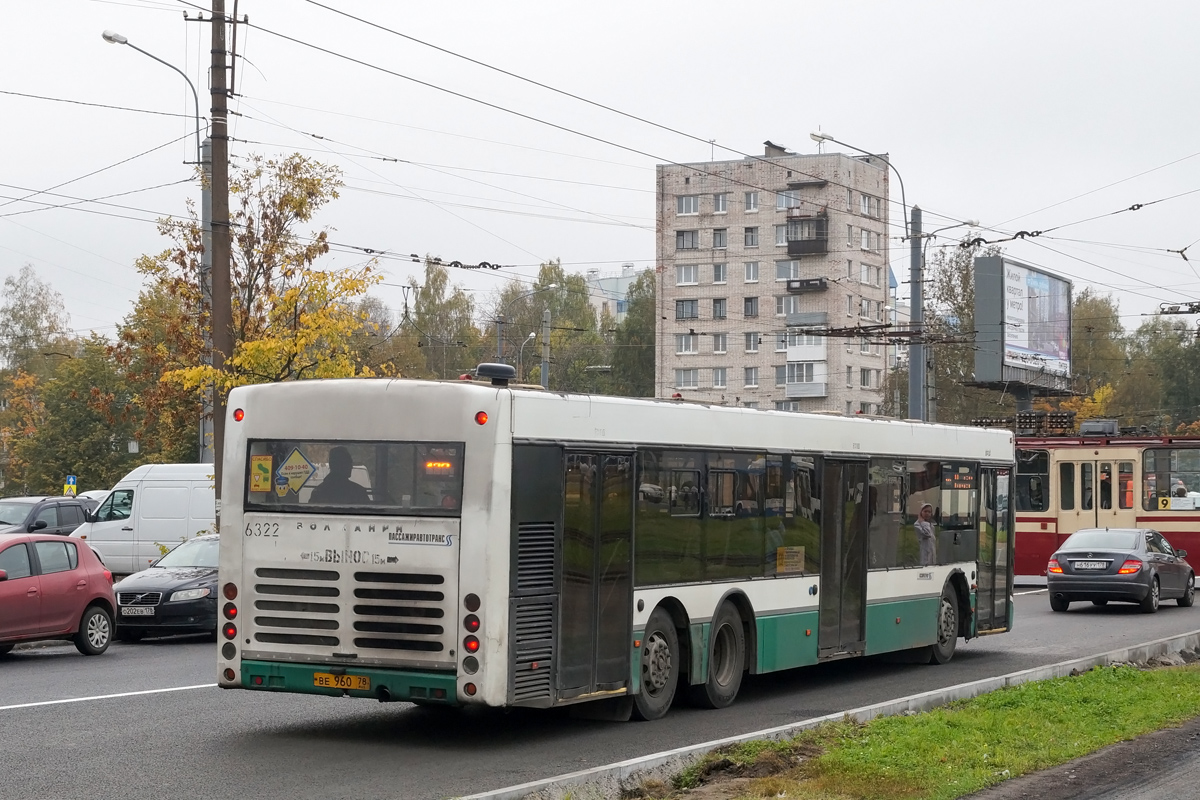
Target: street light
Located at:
point(206, 414)
point(112, 37)
point(521, 352)
point(912, 232)
point(500, 318)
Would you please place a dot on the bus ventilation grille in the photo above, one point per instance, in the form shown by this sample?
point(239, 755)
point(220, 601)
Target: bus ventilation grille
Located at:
point(400, 611)
point(533, 656)
point(535, 558)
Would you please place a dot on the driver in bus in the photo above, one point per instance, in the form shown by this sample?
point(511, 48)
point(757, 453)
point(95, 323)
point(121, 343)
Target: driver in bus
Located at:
point(337, 488)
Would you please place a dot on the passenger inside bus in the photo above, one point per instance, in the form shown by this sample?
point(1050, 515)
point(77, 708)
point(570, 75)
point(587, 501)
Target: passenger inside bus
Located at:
point(337, 488)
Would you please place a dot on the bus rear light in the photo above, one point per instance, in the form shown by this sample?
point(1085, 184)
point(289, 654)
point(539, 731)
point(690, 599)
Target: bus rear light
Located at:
point(471, 601)
point(440, 694)
point(229, 674)
point(1054, 567)
point(471, 623)
point(470, 665)
point(229, 651)
point(230, 611)
point(238, 415)
point(230, 591)
point(469, 688)
point(1131, 566)
point(481, 418)
point(471, 644)
point(230, 630)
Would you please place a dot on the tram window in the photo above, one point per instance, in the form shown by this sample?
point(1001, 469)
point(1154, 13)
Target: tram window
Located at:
point(1125, 484)
point(1033, 476)
point(1066, 486)
point(1170, 472)
point(1106, 486)
point(1086, 499)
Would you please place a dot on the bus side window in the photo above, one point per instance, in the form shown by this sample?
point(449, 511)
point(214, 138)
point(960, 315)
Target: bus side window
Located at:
point(1066, 486)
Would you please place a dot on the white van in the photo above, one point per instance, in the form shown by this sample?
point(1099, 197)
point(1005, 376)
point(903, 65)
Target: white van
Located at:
point(155, 506)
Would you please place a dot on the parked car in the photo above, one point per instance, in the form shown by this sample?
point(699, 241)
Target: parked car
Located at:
point(61, 515)
point(154, 506)
point(54, 588)
point(178, 594)
point(1132, 565)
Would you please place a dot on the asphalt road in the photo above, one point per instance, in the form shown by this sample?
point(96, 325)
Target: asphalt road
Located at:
point(206, 743)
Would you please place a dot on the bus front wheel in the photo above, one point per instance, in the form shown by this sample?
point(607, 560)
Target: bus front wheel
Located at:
point(659, 667)
point(942, 650)
point(726, 661)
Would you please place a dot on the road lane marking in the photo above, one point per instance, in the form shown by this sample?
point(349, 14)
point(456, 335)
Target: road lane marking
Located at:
point(107, 696)
point(1031, 591)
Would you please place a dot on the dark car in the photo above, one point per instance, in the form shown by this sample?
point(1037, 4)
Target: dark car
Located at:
point(1131, 565)
point(59, 515)
point(177, 594)
point(53, 588)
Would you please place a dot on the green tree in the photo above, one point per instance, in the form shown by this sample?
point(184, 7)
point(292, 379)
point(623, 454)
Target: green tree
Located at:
point(443, 322)
point(633, 343)
point(1098, 341)
point(33, 321)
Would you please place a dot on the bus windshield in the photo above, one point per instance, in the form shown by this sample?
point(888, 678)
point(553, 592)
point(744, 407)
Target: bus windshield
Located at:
point(346, 477)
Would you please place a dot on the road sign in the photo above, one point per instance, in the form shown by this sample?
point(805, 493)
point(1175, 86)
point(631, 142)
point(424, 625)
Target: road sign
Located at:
point(69, 486)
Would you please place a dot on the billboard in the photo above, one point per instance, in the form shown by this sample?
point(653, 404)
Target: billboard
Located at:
point(1037, 320)
point(1023, 325)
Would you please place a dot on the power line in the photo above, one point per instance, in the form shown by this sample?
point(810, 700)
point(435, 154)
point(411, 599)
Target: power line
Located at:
point(96, 105)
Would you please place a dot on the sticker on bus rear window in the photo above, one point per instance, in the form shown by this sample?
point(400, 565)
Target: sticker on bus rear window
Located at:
point(296, 470)
point(260, 473)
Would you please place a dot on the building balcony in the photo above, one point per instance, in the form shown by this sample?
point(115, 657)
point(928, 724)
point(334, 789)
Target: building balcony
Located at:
point(807, 232)
point(796, 391)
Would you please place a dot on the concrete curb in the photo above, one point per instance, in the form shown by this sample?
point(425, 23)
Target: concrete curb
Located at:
point(604, 783)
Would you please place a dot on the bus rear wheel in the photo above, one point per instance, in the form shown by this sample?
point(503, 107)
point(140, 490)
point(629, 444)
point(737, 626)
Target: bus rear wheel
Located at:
point(659, 667)
point(726, 661)
point(942, 650)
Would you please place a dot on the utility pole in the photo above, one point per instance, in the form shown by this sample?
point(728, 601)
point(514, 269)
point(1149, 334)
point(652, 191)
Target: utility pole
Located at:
point(222, 311)
point(546, 349)
point(916, 313)
point(207, 441)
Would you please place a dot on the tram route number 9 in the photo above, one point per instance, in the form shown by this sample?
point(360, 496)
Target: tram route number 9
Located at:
point(262, 528)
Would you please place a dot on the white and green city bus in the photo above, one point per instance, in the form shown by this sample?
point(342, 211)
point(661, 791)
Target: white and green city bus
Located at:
point(481, 543)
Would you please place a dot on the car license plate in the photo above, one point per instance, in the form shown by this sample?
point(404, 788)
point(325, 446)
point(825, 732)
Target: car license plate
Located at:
point(137, 611)
point(360, 683)
point(1090, 564)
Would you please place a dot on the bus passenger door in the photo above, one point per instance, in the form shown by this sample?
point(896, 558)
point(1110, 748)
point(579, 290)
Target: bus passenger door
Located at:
point(994, 591)
point(844, 541)
point(596, 589)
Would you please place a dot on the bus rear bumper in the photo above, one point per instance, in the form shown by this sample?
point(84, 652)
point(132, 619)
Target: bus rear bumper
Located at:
point(384, 685)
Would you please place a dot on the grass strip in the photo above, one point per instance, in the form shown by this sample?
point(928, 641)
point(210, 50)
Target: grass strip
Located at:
point(956, 749)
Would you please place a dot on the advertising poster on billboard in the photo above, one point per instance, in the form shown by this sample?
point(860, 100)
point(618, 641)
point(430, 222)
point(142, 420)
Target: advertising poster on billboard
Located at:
point(1037, 320)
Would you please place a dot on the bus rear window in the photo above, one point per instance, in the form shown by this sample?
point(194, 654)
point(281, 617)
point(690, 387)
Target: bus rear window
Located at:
point(345, 477)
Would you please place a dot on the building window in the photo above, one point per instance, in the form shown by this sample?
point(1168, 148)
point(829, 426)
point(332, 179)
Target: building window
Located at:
point(801, 372)
point(787, 270)
point(849, 199)
point(864, 273)
point(864, 345)
point(781, 235)
point(849, 378)
point(720, 273)
point(787, 304)
point(864, 308)
point(869, 240)
point(849, 235)
point(781, 343)
point(751, 271)
point(687, 274)
point(849, 270)
point(752, 340)
point(849, 305)
point(750, 404)
point(687, 309)
point(751, 201)
point(787, 405)
point(687, 378)
point(720, 238)
point(868, 378)
point(801, 339)
point(720, 308)
point(879, 276)
point(685, 343)
point(719, 377)
point(802, 230)
point(751, 377)
point(751, 235)
point(780, 375)
point(687, 204)
point(750, 307)
point(866, 408)
point(720, 342)
point(687, 240)
point(720, 202)
point(787, 199)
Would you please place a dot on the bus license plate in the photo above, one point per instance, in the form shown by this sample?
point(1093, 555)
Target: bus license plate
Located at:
point(137, 611)
point(360, 683)
point(1091, 564)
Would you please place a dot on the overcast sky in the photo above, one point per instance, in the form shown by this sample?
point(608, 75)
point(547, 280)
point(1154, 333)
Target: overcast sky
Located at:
point(1024, 115)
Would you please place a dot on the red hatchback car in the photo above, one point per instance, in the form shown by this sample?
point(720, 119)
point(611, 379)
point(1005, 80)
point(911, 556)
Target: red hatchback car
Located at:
point(54, 587)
